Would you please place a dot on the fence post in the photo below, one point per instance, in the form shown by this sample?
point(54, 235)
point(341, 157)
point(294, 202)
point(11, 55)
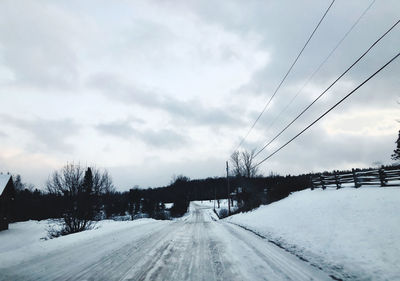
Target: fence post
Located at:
point(322, 182)
point(356, 182)
point(382, 176)
point(311, 181)
point(337, 180)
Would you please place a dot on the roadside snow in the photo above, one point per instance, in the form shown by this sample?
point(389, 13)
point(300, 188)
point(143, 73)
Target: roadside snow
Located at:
point(351, 233)
point(24, 240)
point(22, 234)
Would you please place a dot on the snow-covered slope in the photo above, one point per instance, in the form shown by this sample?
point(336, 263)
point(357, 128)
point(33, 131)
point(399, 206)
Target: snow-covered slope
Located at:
point(349, 232)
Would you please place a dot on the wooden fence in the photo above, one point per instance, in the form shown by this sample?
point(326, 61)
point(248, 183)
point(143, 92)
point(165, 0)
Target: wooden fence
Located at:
point(384, 176)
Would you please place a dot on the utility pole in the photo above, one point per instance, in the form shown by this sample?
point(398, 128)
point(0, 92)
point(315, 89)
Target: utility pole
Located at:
point(227, 179)
point(215, 197)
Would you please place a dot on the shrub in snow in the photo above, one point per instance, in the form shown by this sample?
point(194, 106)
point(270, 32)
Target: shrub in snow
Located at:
point(223, 213)
point(81, 192)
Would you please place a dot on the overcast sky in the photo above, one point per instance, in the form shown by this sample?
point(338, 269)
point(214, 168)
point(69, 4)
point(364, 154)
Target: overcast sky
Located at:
point(149, 89)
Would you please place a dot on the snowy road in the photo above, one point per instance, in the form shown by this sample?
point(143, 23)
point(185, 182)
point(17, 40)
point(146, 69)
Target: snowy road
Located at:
point(194, 248)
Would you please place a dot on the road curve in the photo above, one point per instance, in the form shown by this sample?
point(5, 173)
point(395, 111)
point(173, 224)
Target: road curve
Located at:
point(193, 248)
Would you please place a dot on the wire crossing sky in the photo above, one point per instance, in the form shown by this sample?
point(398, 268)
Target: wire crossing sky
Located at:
point(329, 110)
point(286, 75)
point(317, 70)
point(328, 88)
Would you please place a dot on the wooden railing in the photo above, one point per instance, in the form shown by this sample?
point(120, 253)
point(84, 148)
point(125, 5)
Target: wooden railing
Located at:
point(384, 176)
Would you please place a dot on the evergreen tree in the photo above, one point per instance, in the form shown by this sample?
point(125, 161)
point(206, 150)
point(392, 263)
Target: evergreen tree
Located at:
point(88, 181)
point(396, 152)
point(86, 198)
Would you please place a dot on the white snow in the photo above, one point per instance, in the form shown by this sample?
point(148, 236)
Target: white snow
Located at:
point(3, 181)
point(223, 204)
point(352, 233)
point(349, 233)
point(25, 240)
point(195, 247)
point(168, 205)
point(22, 234)
point(207, 213)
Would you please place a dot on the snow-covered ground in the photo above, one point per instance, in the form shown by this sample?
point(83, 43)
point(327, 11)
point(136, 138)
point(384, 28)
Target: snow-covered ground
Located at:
point(26, 240)
point(223, 204)
point(195, 247)
point(351, 233)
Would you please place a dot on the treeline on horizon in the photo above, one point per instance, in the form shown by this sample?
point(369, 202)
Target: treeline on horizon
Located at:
point(34, 204)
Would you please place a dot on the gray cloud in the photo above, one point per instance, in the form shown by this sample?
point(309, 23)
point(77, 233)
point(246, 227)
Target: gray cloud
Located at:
point(163, 138)
point(37, 45)
point(47, 135)
point(284, 36)
point(122, 129)
point(192, 111)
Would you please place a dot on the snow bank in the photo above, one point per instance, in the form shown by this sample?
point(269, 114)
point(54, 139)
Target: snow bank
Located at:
point(24, 240)
point(351, 233)
point(21, 234)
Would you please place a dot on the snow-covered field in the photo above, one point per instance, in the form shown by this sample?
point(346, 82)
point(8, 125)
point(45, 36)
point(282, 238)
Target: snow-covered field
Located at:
point(352, 233)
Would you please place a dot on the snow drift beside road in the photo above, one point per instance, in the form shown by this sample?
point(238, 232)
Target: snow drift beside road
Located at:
point(24, 240)
point(349, 232)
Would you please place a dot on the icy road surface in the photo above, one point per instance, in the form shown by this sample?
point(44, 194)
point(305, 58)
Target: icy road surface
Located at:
point(197, 247)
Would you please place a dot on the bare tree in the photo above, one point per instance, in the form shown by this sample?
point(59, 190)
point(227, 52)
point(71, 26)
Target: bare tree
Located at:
point(243, 164)
point(396, 152)
point(236, 164)
point(81, 189)
point(249, 168)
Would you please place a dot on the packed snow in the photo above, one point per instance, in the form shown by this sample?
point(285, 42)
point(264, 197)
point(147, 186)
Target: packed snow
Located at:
point(351, 233)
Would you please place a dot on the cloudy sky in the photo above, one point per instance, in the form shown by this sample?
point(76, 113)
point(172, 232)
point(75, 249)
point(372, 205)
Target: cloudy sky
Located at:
point(149, 89)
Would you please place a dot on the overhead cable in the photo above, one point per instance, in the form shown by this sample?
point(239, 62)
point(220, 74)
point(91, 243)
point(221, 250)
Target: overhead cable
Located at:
point(326, 90)
point(329, 110)
point(284, 78)
point(320, 66)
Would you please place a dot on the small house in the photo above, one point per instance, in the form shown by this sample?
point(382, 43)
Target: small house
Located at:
point(7, 196)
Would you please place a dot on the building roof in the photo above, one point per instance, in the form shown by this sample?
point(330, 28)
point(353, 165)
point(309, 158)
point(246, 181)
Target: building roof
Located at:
point(4, 178)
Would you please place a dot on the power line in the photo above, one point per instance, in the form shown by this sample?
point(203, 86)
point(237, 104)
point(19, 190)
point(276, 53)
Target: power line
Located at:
point(329, 110)
point(284, 78)
point(330, 86)
point(322, 64)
